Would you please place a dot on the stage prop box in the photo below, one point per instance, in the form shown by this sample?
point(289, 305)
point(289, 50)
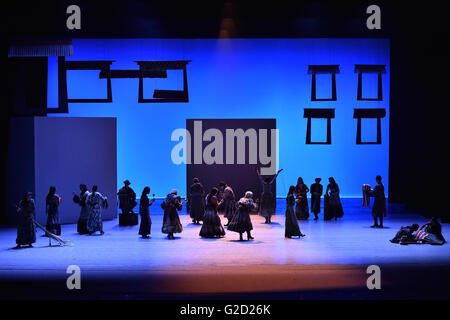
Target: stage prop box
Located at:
point(61, 152)
point(256, 148)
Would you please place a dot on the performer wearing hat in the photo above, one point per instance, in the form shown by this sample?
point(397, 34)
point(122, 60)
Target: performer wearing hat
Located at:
point(26, 231)
point(316, 192)
point(127, 198)
point(241, 221)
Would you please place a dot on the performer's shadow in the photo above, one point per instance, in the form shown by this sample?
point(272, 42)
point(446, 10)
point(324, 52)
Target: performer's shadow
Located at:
point(246, 241)
point(368, 227)
point(273, 225)
point(210, 239)
point(192, 225)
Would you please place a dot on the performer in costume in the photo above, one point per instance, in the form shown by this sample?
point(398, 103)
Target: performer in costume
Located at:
point(171, 220)
point(26, 231)
point(52, 202)
point(332, 201)
point(241, 221)
point(197, 202)
point(267, 202)
point(81, 200)
point(429, 233)
point(212, 227)
point(95, 201)
point(316, 193)
point(127, 198)
point(379, 204)
point(291, 226)
point(301, 191)
point(144, 210)
point(229, 202)
point(405, 234)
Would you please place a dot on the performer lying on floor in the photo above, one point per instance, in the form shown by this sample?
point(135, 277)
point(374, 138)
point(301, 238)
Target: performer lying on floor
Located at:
point(430, 232)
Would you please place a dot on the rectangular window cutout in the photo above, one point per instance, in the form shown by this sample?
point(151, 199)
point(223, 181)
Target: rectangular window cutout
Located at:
point(322, 114)
point(375, 114)
point(319, 87)
point(364, 69)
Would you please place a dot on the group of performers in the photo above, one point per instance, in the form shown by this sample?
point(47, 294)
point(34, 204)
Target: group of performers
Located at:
point(220, 200)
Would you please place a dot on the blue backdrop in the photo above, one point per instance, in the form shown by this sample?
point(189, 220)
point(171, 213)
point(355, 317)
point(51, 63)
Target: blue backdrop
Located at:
point(237, 78)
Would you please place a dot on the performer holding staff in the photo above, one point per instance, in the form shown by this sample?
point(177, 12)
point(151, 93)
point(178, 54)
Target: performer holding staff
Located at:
point(26, 231)
point(379, 204)
point(267, 203)
point(144, 210)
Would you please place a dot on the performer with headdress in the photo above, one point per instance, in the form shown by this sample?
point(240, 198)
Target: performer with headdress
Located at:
point(291, 226)
point(301, 191)
point(197, 201)
point(316, 194)
point(95, 201)
point(171, 220)
point(379, 204)
point(81, 200)
point(241, 221)
point(267, 202)
point(52, 202)
point(332, 201)
point(127, 198)
point(229, 202)
point(212, 227)
point(144, 211)
point(26, 231)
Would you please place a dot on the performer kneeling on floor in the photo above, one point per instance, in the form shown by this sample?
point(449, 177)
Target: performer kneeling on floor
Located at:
point(267, 204)
point(171, 220)
point(212, 227)
point(291, 226)
point(241, 221)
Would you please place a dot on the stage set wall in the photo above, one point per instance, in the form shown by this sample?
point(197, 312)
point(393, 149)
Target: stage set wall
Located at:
point(62, 152)
point(242, 79)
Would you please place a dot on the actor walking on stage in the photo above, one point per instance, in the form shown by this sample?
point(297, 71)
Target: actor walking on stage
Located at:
point(95, 201)
point(26, 231)
point(212, 227)
point(197, 202)
point(81, 200)
point(301, 209)
point(332, 201)
point(241, 222)
point(171, 220)
point(127, 198)
point(52, 202)
point(144, 210)
point(291, 226)
point(379, 204)
point(267, 204)
point(316, 193)
point(229, 202)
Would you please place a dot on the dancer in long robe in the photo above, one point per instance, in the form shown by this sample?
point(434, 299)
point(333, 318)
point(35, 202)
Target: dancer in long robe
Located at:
point(144, 211)
point(52, 202)
point(267, 202)
point(197, 202)
point(171, 220)
point(81, 200)
point(316, 192)
point(301, 191)
point(429, 233)
point(291, 226)
point(26, 230)
point(379, 204)
point(127, 198)
point(212, 227)
point(332, 201)
point(229, 202)
point(241, 221)
point(95, 201)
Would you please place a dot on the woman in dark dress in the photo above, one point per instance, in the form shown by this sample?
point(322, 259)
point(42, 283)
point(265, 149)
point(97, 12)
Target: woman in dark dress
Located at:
point(52, 203)
point(316, 193)
point(197, 202)
point(301, 209)
point(81, 200)
point(171, 220)
point(241, 220)
point(229, 202)
point(144, 210)
point(291, 226)
point(26, 231)
point(212, 227)
point(267, 206)
point(379, 204)
point(332, 201)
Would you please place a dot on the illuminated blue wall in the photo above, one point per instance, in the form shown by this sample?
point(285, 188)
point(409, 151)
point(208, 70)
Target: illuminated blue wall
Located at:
point(237, 78)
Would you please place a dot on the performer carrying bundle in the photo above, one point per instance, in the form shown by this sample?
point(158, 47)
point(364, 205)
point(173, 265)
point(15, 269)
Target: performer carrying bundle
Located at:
point(366, 197)
point(171, 220)
point(379, 204)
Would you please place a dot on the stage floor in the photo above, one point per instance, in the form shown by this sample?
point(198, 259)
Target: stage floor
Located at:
point(330, 262)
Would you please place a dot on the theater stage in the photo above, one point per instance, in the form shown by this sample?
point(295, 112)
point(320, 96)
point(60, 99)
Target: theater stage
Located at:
point(329, 263)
